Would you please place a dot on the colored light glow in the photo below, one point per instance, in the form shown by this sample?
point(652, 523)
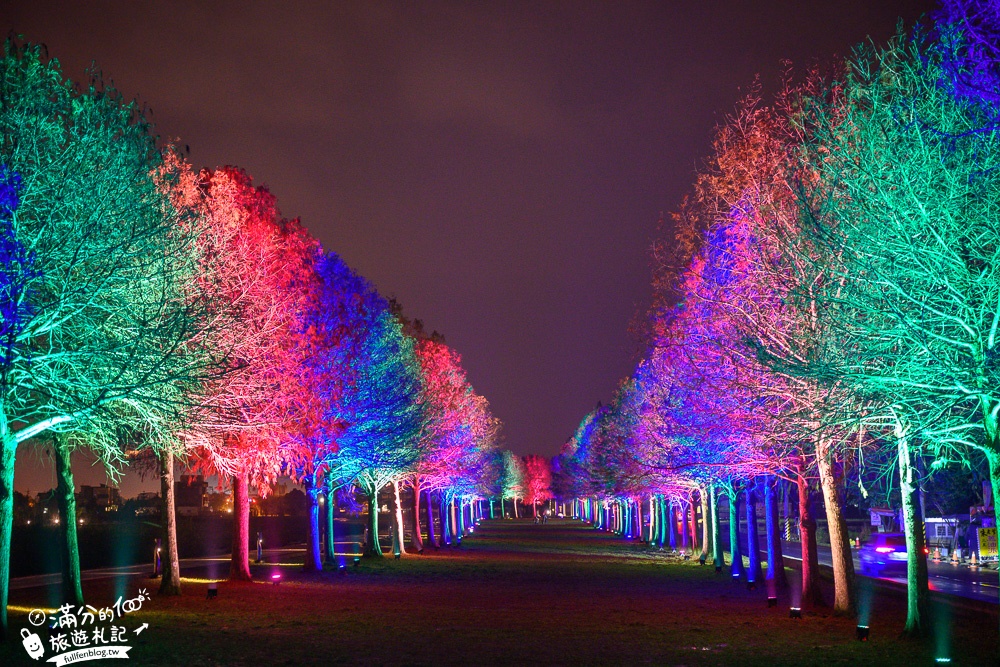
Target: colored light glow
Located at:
point(26, 610)
point(884, 550)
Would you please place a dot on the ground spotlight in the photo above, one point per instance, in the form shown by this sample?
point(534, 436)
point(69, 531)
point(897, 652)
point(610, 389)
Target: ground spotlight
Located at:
point(213, 591)
point(751, 586)
point(795, 612)
point(275, 579)
point(862, 633)
point(772, 602)
point(357, 561)
point(942, 660)
point(342, 569)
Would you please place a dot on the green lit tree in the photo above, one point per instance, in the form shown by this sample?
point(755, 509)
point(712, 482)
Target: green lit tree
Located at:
point(907, 200)
point(512, 480)
point(107, 317)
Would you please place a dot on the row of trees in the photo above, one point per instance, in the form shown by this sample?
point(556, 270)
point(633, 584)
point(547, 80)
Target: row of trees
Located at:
point(153, 311)
point(829, 305)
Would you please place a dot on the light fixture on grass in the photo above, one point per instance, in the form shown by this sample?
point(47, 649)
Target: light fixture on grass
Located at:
point(862, 633)
point(213, 591)
point(795, 612)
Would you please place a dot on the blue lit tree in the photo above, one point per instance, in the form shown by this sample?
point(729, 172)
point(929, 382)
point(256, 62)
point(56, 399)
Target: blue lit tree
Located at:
point(372, 388)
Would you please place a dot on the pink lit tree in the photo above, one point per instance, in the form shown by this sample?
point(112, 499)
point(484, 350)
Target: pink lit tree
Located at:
point(260, 264)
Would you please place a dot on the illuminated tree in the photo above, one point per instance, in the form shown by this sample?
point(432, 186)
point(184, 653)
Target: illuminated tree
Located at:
point(910, 180)
point(104, 315)
point(537, 480)
point(460, 431)
point(379, 403)
point(512, 480)
point(263, 269)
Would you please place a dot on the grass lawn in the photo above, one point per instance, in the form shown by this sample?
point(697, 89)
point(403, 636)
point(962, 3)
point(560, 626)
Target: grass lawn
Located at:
point(514, 593)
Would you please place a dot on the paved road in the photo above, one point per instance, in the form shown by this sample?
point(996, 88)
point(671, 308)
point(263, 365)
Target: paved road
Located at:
point(981, 584)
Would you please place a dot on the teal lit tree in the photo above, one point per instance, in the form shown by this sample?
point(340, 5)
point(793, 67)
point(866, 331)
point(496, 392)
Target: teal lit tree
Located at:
point(105, 317)
point(910, 179)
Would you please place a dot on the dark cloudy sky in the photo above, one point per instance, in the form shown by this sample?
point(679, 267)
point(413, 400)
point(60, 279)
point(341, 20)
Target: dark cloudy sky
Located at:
point(499, 167)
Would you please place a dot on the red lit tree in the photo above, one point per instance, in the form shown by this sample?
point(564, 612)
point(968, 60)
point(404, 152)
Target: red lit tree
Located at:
point(537, 481)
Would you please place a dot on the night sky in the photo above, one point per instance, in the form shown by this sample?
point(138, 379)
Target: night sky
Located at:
point(499, 167)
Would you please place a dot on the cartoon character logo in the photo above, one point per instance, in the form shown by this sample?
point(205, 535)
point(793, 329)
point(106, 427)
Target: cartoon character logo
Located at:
point(32, 644)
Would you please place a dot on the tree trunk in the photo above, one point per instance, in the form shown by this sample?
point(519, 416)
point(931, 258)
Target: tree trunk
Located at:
point(398, 509)
point(775, 557)
point(491, 507)
point(433, 537)
point(417, 538)
point(313, 561)
point(811, 593)
point(685, 528)
point(239, 566)
point(736, 566)
point(373, 548)
point(713, 501)
point(694, 523)
point(66, 499)
point(705, 532)
point(661, 532)
point(452, 520)
point(653, 523)
point(515, 508)
point(443, 511)
point(840, 546)
point(331, 518)
point(672, 524)
point(917, 594)
point(8, 450)
point(753, 546)
point(170, 581)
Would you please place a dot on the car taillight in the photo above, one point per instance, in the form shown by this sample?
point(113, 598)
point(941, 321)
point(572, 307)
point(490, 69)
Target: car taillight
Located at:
point(885, 550)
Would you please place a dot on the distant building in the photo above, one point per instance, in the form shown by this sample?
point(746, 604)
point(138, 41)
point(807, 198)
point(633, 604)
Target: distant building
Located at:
point(147, 503)
point(104, 498)
point(189, 495)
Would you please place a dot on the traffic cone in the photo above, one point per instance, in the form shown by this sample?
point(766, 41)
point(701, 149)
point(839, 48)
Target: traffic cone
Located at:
point(954, 556)
point(974, 562)
point(937, 554)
